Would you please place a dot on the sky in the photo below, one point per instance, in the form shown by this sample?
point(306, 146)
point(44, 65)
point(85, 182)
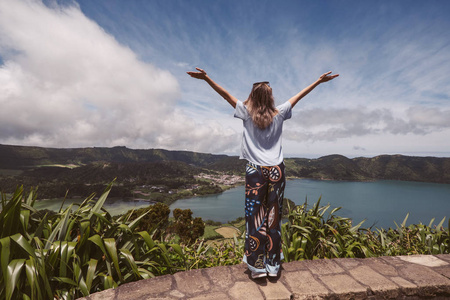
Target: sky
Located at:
point(113, 73)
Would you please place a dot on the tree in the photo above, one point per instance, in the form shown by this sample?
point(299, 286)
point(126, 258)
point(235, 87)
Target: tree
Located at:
point(185, 227)
point(157, 218)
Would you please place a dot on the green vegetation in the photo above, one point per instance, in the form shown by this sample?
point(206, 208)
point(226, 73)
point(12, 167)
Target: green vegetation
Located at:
point(164, 181)
point(154, 218)
point(334, 167)
point(200, 255)
point(72, 253)
point(311, 234)
point(382, 167)
point(82, 249)
point(24, 157)
point(188, 229)
point(210, 233)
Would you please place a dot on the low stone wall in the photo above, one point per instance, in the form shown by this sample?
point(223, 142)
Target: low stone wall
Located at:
point(400, 277)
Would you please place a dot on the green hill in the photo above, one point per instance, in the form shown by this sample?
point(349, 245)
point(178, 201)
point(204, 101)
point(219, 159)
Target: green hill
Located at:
point(153, 174)
point(382, 167)
point(89, 169)
point(336, 167)
point(21, 157)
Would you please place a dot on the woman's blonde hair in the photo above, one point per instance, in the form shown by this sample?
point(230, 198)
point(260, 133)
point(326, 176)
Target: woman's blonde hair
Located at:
point(261, 105)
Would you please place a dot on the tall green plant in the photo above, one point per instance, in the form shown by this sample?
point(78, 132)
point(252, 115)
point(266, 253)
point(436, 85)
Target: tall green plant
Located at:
point(82, 249)
point(201, 255)
point(311, 234)
point(77, 251)
point(415, 239)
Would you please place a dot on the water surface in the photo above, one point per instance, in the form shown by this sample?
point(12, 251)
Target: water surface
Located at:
point(379, 202)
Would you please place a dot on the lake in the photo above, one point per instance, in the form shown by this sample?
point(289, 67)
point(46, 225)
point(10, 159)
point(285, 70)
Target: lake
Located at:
point(379, 202)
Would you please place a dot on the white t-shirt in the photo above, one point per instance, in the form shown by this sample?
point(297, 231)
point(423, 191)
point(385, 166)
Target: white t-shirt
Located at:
point(263, 146)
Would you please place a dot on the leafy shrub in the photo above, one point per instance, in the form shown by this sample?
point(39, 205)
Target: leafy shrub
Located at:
point(185, 227)
point(155, 218)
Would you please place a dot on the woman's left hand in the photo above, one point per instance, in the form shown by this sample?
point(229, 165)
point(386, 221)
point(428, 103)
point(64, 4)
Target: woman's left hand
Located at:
point(199, 75)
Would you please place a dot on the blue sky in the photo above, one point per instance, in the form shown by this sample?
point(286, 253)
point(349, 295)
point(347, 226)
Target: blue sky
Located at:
point(107, 73)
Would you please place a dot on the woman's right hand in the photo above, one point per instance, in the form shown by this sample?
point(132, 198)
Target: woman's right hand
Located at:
point(327, 77)
point(199, 75)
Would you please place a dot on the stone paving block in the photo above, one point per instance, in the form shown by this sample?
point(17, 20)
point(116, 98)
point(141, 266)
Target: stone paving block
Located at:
point(191, 282)
point(445, 271)
point(374, 280)
point(293, 266)
point(349, 263)
point(215, 296)
point(240, 272)
point(245, 290)
point(343, 284)
point(394, 261)
point(403, 282)
point(377, 283)
point(425, 260)
point(422, 276)
point(381, 266)
point(220, 277)
point(145, 288)
point(323, 266)
point(445, 257)
point(306, 297)
point(275, 291)
point(176, 294)
point(303, 283)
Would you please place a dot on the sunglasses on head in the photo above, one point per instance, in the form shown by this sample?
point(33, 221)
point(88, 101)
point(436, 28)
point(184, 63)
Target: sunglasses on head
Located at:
point(262, 82)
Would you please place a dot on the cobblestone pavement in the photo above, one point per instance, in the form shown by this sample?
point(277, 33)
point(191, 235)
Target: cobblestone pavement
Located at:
point(399, 277)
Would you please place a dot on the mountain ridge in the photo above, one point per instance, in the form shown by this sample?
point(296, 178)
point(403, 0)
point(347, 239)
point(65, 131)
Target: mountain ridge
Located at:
point(16, 157)
point(329, 167)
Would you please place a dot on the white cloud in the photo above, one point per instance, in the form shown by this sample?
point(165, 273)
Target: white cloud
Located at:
point(65, 82)
point(429, 118)
point(330, 124)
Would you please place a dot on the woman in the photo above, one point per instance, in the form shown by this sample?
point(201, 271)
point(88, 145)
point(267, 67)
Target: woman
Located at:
point(265, 178)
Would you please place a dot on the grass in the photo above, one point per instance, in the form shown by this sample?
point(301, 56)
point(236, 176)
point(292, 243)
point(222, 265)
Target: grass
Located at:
point(210, 233)
point(240, 225)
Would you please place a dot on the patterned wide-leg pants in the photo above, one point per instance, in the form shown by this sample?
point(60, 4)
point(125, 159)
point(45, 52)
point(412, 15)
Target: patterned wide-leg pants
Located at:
point(264, 191)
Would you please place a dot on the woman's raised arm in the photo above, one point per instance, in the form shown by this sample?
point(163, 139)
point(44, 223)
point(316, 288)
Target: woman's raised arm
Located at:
point(323, 78)
point(220, 90)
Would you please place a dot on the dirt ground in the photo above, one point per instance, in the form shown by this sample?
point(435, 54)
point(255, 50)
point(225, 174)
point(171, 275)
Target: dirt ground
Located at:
point(228, 232)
